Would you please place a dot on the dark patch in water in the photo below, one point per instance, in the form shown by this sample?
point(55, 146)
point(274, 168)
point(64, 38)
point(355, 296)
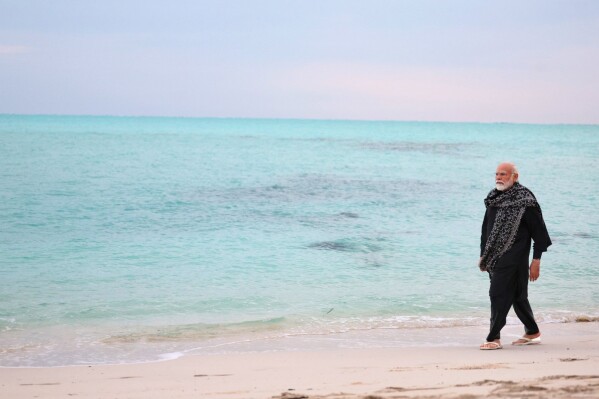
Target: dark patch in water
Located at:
point(583, 235)
point(408, 146)
point(313, 187)
point(345, 246)
point(350, 215)
point(331, 245)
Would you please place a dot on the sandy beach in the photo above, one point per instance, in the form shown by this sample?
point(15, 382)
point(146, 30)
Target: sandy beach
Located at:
point(565, 365)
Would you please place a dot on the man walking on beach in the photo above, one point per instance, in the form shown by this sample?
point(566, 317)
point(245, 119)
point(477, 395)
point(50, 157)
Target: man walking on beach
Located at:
point(513, 217)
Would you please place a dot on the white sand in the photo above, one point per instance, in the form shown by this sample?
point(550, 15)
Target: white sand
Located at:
point(565, 365)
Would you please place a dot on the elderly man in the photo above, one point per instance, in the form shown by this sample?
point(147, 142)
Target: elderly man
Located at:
point(513, 217)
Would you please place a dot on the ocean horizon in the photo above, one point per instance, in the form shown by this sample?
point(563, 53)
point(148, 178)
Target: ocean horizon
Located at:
point(131, 239)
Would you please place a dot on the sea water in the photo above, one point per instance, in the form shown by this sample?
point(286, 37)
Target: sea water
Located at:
point(126, 239)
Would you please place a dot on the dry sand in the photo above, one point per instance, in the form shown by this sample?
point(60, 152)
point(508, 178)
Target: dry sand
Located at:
point(565, 365)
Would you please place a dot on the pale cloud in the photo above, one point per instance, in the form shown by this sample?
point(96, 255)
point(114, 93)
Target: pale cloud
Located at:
point(10, 50)
point(381, 82)
point(375, 91)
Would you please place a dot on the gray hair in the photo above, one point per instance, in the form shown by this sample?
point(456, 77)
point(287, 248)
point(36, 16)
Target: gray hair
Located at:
point(514, 168)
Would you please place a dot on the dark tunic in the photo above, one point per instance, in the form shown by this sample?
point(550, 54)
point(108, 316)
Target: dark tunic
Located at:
point(531, 226)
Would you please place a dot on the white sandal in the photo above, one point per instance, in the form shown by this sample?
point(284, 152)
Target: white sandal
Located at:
point(490, 346)
point(527, 341)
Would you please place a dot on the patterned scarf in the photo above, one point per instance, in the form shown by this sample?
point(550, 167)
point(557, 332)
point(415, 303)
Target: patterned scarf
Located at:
point(511, 206)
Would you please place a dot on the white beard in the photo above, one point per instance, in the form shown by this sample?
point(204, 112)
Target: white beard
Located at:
point(503, 187)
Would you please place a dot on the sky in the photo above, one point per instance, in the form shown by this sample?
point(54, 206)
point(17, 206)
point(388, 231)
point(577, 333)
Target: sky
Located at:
point(421, 60)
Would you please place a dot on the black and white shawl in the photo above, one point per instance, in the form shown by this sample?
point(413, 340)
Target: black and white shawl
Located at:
point(511, 206)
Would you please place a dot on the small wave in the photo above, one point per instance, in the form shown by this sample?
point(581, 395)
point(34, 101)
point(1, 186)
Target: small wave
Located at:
point(170, 356)
point(567, 317)
point(586, 319)
point(7, 324)
point(198, 331)
point(19, 349)
point(395, 322)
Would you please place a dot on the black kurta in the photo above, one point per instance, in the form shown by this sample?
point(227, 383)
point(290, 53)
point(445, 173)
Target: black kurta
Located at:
point(509, 280)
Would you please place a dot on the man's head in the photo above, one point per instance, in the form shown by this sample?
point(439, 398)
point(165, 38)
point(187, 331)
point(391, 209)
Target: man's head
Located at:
point(505, 176)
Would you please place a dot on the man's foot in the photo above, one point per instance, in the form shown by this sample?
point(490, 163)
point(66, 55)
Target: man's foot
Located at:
point(490, 346)
point(528, 339)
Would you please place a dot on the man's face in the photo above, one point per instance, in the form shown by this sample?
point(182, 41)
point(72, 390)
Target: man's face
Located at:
point(504, 178)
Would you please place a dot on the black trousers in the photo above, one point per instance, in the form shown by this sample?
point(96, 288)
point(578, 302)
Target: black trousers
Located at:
point(509, 287)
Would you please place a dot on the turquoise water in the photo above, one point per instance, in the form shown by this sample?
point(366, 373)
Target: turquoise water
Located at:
point(126, 239)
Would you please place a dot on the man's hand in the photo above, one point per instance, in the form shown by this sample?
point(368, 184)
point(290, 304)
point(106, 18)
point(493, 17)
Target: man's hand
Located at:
point(535, 269)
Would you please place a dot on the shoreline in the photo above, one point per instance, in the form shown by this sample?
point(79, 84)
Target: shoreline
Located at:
point(139, 351)
point(564, 364)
